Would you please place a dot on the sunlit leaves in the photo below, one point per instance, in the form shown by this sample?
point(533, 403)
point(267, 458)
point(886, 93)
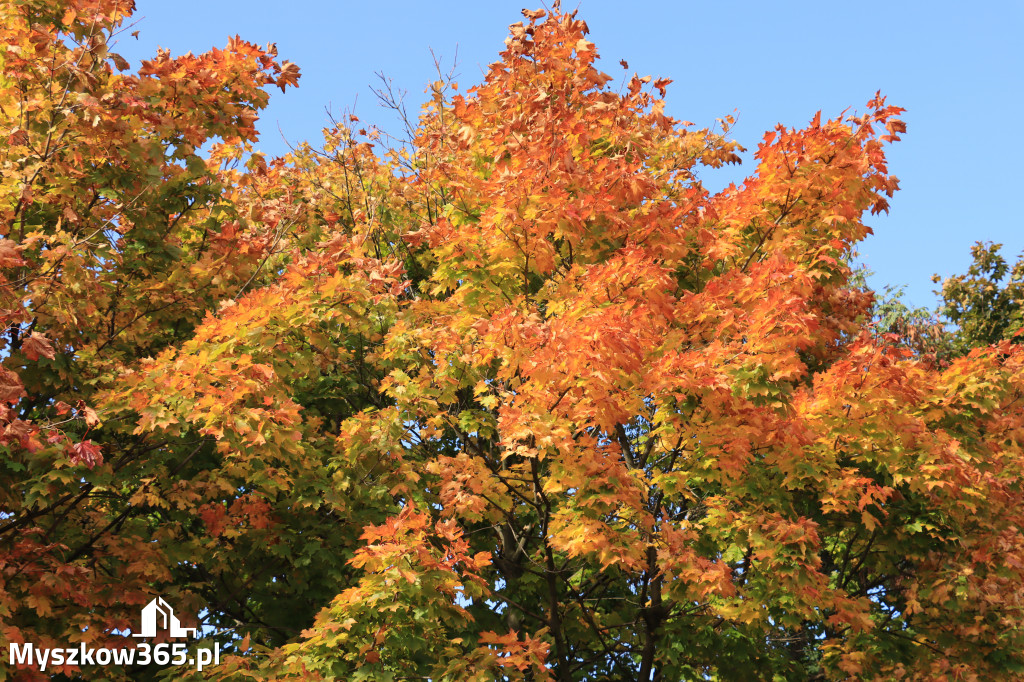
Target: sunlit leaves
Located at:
point(515, 398)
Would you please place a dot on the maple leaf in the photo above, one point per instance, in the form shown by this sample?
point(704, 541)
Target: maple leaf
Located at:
point(10, 254)
point(120, 62)
point(36, 345)
point(11, 388)
point(91, 418)
point(86, 453)
point(289, 75)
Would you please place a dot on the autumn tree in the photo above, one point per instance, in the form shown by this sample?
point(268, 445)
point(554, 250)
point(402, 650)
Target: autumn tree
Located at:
point(118, 239)
point(516, 399)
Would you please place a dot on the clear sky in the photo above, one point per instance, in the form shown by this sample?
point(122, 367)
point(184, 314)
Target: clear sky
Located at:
point(956, 67)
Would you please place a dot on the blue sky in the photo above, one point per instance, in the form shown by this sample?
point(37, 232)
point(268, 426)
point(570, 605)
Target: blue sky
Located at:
point(956, 67)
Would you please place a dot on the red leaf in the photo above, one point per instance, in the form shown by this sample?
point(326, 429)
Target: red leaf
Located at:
point(86, 453)
point(10, 254)
point(36, 345)
point(11, 389)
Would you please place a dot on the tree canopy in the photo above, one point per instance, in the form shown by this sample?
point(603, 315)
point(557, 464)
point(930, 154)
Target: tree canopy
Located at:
point(514, 398)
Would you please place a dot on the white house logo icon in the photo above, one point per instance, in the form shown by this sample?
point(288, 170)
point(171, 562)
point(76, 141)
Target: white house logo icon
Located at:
point(159, 613)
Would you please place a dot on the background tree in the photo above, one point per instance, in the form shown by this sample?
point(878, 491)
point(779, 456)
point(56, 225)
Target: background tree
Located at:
point(977, 309)
point(984, 305)
point(514, 399)
point(917, 328)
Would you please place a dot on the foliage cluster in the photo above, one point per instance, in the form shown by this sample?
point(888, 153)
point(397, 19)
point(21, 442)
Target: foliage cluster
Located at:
point(516, 399)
